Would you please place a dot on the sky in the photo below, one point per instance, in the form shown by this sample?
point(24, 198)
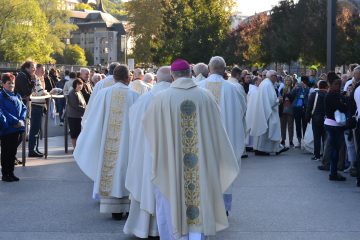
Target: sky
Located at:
point(249, 7)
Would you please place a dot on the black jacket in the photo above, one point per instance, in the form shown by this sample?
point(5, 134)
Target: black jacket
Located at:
point(333, 102)
point(319, 111)
point(24, 85)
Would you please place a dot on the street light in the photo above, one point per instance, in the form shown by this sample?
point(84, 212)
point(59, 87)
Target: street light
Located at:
point(124, 46)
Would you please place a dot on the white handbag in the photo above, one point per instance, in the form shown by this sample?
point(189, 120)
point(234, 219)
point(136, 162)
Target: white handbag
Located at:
point(340, 118)
point(308, 140)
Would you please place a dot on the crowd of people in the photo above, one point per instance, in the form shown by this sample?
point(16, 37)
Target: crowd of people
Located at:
point(164, 148)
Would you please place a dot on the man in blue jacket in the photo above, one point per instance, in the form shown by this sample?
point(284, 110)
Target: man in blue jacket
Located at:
point(14, 113)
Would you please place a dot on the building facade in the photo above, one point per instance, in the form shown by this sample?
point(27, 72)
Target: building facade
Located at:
point(99, 34)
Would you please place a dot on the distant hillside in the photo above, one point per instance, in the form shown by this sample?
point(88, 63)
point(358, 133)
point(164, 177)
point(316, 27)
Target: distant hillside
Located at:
point(115, 8)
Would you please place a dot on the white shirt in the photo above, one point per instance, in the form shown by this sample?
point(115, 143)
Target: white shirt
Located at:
point(347, 84)
point(357, 100)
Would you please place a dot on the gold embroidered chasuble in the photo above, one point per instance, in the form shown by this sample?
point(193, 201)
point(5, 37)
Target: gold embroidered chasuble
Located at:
point(193, 161)
point(112, 141)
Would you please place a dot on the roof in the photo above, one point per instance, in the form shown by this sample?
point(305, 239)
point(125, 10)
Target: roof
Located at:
point(95, 16)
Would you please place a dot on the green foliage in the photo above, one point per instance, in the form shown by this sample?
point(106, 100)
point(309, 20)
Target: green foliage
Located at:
point(58, 22)
point(347, 37)
point(74, 55)
point(83, 6)
point(281, 35)
point(37, 34)
point(89, 57)
point(144, 20)
point(23, 33)
point(164, 30)
point(115, 8)
point(295, 32)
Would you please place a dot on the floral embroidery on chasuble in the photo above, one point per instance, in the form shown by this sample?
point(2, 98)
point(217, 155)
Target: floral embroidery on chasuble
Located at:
point(112, 142)
point(137, 87)
point(191, 162)
point(108, 84)
point(215, 89)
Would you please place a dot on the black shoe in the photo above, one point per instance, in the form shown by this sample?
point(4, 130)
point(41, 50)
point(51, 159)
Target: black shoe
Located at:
point(244, 156)
point(260, 153)
point(337, 177)
point(7, 179)
point(35, 154)
point(38, 152)
point(284, 149)
point(292, 144)
point(323, 168)
point(227, 213)
point(282, 142)
point(14, 178)
point(117, 216)
point(353, 172)
point(315, 158)
point(17, 162)
point(249, 149)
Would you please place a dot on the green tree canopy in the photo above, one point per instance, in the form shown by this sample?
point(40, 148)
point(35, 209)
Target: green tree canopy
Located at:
point(23, 33)
point(83, 6)
point(74, 55)
point(58, 22)
point(164, 30)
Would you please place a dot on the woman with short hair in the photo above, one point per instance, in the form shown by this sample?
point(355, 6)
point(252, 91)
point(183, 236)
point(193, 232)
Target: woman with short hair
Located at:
point(14, 114)
point(75, 109)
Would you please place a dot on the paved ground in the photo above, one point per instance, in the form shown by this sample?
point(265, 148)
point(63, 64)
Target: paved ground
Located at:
point(276, 198)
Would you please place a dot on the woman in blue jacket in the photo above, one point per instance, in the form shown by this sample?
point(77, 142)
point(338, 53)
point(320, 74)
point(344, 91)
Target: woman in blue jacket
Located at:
point(14, 113)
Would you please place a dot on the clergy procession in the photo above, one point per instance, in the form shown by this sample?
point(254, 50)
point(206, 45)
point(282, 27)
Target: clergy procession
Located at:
point(164, 149)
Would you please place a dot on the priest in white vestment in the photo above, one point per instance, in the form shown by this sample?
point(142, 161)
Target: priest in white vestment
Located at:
point(193, 160)
point(138, 85)
point(149, 79)
point(252, 89)
point(263, 119)
point(106, 82)
point(142, 221)
point(201, 72)
point(103, 147)
point(232, 108)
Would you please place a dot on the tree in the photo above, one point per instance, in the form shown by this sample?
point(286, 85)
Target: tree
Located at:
point(83, 6)
point(115, 8)
point(89, 57)
point(23, 33)
point(281, 36)
point(144, 18)
point(74, 55)
point(348, 23)
point(192, 29)
point(58, 21)
point(250, 36)
point(312, 19)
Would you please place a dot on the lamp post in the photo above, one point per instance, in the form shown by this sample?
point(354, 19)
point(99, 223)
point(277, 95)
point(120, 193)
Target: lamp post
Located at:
point(124, 46)
point(331, 34)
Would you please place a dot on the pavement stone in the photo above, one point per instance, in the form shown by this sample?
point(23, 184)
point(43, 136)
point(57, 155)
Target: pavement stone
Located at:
point(277, 198)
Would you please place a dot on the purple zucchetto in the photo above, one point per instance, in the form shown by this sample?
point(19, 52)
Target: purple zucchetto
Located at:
point(180, 65)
